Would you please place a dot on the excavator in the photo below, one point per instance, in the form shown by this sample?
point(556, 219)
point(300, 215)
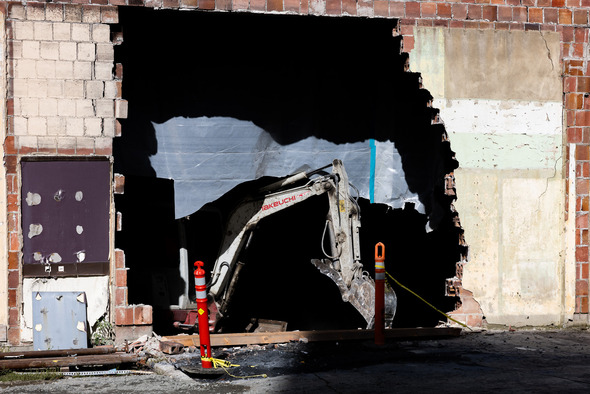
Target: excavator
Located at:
point(341, 261)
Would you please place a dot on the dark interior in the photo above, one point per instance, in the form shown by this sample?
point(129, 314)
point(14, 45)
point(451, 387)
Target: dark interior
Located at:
point(339, 79)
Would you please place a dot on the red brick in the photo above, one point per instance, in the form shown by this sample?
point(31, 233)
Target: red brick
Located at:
point(440, 23)
point(13, 279)
point(129, 315)
point(557, 3)
point(572, 3)
point(574, 101)
point(565, 16)
point(13, 335)
point(582, 254)
point(13, 315)
point(408, 43)
point(582, 304)
point(570, 84)
point(120, 314)
point(244, 4)
point(567, 33)
point(277, 5)
point(397, 9)
point(224, 5)
point(535, 15)
point(12, 298)
point(550, 15)
point(580, 35)
point(121, 296)
point(574, 67)
point(333, 7)
point(444, 10)
point(490, 13)
point(109, 15)
point(14, 240)
point(519, 14)
point(13, 261)
point(583, 119)
point(580, 17)
point(119, 184)
point(505, 14)
point(459, 11)
point(584, 270)
point(574, 135)
point(381, 8)
point(258, 5)
point(582, 287)
point(543, 3)
point(121, 277)
point(474, 12)
point(348, 7)
point(119, 259)
point(412, 9)
point(428, 10)
point(147, 314)
point(170, 3)
point(304, 8)
point(584, 237)
point(582, 221)
point(577, 50)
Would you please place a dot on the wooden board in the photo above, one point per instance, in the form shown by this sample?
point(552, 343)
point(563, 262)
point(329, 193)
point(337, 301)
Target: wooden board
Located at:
point(49, 362)
point(240, 339)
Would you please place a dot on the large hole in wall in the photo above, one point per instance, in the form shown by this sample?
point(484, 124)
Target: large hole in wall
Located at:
point(336, 80)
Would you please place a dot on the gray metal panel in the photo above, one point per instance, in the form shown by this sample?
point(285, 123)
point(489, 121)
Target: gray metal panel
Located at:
point(59, 320)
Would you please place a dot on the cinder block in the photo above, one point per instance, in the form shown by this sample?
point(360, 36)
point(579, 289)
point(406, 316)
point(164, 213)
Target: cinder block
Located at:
point(49, 50)
point(91, 14)
point(85, 145)
point(16, 52)
point(67, 51)
point(83, 70)
point(37, 88)
point(94, 89)
point(86, 51)
point(103, 71)
point(121, 109)
point(105, 108)
point(109, 15)
point(101, 33)
point(36, 12)
point(20, 125)
point(30, 49)
point(64, 69)
point(47, 144)
point(80, 32)
point(105, 52)
point(48, 107)
point(73, 13)
point(54, 12)
point(74, 127)
point(37, 126)
point(93, 126)
point(27, 106)
point(23, 30)
point(45, 69)
point(108, 127)
point(103, 146)
point(66, 144)
point(84, 108)
point(43, 31)
point(62, 31)
point(74, 88)
point(66, 107)
point(110, 89)
point(56, 126)
point(25, 68)
point(20, 87)
point(16, 11)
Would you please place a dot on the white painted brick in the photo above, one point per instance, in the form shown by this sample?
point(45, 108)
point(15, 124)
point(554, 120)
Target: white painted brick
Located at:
point(101, 33)
point(80, 32)
point(54, 12)
point(25, 68)
point(105, 108)
point(68, 51)
point(94, 89)
point(48, 107)
point(43, 31)
point(74, 88)
point(29, 106)
point(108, 127)
point(20, 87)
point(66, 107)
point(23, 30)
point(17, 11)
point(45, 68)
point(47, 142)
point(37, 88)
point(30, 49)
point(84, 108)
point(73, 13)
point(17, 49)
point(62, 31)
point(91, 14)
point(121, 109)
point(103, 71)
point(26, 142)
point(86, 51)
point(17, 107)
point(37, 126)
point(20, 125)
point(110, 89)
point(56, 125)
point(36, 13)
point(55, 88)
point(75, 126)
point(105, 52)
point(93, 126)
point(49, 50)
point(82, 70)
point(64, 69)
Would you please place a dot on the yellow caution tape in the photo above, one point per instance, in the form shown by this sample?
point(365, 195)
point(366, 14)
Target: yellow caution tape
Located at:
point(224, 364)
point(426, 302)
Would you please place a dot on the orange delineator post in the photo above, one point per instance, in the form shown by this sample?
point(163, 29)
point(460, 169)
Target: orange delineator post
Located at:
point(380, 294)
point(203, 315)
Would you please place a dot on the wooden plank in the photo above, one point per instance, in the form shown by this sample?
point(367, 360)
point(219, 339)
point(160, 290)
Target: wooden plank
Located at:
point(48, 362)
point(57, 353)
point(240, 339)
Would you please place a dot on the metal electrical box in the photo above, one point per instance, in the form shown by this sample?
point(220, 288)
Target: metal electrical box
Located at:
point(59, 320)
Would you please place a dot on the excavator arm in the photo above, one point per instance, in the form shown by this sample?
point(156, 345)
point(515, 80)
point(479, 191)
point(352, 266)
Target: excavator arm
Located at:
point(341, 263)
